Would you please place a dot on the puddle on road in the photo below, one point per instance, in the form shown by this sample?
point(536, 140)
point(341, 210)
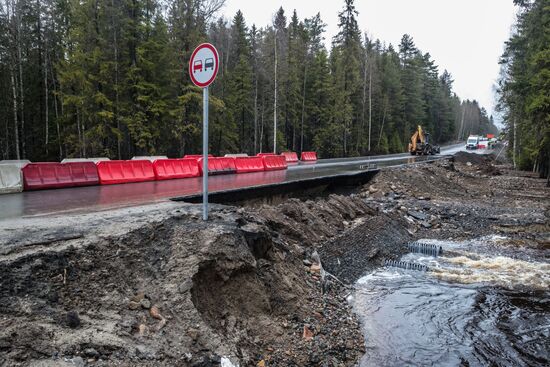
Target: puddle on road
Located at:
point(470, 308)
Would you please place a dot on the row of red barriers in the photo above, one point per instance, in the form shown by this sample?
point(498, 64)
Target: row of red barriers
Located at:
point(50, 175)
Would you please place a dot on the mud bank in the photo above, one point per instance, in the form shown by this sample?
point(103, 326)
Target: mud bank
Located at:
point(160, 287)
point(173, 290)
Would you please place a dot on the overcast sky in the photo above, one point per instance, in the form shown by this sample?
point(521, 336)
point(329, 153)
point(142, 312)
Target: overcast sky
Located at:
point(465, 37)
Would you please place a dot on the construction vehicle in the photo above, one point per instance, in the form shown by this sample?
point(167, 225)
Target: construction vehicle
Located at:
point(420, 143)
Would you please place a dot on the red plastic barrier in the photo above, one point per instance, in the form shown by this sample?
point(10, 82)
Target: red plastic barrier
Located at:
point(196, 156)
point(219, 165)
point(117, 172)
point(249, 164)
point(274, 162)
point(52, 175)
point(167, 169)
point(309, 156)
point(290, 157)
point(264, 154)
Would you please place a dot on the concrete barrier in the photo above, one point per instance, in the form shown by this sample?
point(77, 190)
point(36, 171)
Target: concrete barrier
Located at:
point(11, 179)
point(17, 162)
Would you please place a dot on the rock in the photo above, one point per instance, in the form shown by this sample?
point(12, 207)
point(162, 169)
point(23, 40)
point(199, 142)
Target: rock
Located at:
point(426, 224)
point(261, 363)
point(73, 320)
point(78, 361)
point(468, 164)
point(91, 352)
point(138, 297)
point(307, 262)
point(372, 189)
point(133, 305)
point(417, 215)
point(142, 329)
point(145, 303)
point(315, 268)
point(307, 335)
point(155, 313)
point(193, 334)
point(185, 286)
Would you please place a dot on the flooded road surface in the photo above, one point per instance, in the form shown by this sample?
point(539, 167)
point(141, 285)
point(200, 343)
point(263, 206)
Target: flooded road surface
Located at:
point(469, 309)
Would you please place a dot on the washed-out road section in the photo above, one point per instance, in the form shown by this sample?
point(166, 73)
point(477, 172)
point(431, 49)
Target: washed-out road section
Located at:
point(108, 197)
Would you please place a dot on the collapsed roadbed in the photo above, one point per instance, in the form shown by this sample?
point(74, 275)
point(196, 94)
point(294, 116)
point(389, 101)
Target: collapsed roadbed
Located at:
point(158, 286)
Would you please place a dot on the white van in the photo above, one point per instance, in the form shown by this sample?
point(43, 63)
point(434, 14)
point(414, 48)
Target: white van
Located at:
point(472, 142)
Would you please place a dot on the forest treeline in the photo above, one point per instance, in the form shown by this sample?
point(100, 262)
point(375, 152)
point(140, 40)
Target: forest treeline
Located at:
point(524, 87)
point(109, 78)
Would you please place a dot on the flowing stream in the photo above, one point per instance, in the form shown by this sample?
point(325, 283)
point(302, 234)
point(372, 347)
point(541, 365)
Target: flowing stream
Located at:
point(481, 303)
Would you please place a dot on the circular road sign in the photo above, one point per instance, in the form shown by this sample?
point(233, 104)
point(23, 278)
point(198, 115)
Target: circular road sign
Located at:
point(203, 65)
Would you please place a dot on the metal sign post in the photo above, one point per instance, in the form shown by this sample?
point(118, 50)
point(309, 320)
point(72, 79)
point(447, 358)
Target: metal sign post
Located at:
point(205, 153)
point(203, 67)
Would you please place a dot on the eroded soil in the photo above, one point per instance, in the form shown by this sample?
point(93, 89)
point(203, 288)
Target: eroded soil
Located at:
point(245, 285)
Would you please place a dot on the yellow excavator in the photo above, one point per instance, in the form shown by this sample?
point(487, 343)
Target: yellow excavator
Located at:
point(420, 143)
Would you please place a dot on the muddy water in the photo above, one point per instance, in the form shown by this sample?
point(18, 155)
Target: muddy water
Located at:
point(483, 302)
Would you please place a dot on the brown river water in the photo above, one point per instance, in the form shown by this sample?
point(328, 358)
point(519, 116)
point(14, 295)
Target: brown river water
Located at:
point(484, 302)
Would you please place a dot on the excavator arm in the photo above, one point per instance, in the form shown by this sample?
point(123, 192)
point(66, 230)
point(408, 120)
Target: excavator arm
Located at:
point(417, 137)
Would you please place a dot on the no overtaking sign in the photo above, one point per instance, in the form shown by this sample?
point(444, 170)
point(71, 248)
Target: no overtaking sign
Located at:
point(203, 67)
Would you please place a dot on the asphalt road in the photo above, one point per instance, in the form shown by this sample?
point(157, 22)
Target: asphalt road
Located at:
point(99, 198)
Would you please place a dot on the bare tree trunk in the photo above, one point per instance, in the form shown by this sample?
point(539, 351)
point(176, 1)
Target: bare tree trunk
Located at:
point(360, 130)
point(275, 102)
point(256, 115)
point(460, 131)
point(11, 5)
point(46, 108)
point(15, 124)
point(79, 133)
point(56, 110)
point(303, 110)
point(83, 138)
point(370, 102)
point(382, 126)
point(117, 120)
point(21, 89)
point(515, 144)
point(262, 127)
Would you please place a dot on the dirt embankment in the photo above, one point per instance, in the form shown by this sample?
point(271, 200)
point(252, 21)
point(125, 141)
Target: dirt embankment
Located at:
point(183, 292)
point(246, 286)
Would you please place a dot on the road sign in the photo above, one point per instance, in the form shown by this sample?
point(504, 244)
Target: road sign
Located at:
point(203, 67)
